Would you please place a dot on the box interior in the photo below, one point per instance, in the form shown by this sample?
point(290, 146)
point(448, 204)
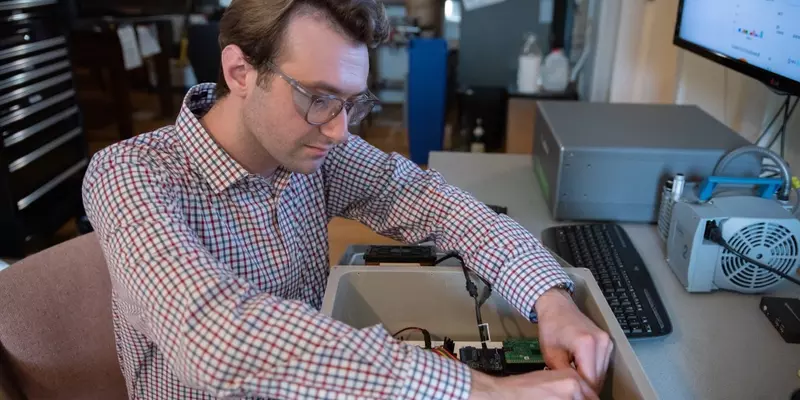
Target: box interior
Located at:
point(436, 299)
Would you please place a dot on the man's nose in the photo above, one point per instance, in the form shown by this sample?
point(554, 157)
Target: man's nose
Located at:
point(336, 129)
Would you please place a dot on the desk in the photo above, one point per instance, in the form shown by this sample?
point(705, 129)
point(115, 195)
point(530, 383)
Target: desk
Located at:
point(721, 347)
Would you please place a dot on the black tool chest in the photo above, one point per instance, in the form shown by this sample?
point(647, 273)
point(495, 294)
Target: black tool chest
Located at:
point(43, 151)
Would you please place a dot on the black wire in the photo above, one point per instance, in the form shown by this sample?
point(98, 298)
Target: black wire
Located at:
point(426, 336)
point(772, 122)
point(787, 115)
point(783, 109)
point(473, 292)
point(716, 236)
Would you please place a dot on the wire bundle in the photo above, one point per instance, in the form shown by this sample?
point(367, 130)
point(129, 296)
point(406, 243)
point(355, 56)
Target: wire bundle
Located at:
point(440, 350)
point(787, 109)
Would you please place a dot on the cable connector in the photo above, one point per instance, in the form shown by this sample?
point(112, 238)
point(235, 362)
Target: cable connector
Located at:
point(713, 232)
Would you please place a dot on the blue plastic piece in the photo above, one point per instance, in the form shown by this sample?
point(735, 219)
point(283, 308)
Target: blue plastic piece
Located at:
point(427, 92)
point(766, 186)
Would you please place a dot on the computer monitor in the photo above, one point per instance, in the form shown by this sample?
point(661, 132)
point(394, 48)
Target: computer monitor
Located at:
point(759, 38)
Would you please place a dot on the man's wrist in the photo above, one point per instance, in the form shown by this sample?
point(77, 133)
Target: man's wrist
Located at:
point(554, 297)
point(482, 386)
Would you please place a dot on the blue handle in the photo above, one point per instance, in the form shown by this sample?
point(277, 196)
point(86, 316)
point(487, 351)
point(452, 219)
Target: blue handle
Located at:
point(766, 186)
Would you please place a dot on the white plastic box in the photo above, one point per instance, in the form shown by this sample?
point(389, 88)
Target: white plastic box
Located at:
point(435, 298)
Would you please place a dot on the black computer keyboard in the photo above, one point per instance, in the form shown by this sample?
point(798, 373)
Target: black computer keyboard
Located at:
point(607, 251)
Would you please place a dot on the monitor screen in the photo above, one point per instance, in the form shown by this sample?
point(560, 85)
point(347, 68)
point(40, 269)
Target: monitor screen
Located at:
point(760, 38)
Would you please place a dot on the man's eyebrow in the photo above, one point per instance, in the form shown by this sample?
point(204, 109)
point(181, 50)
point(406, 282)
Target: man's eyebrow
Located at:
point(328, 88)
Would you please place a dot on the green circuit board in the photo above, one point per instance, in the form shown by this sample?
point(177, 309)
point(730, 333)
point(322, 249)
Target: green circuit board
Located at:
point(522, 351)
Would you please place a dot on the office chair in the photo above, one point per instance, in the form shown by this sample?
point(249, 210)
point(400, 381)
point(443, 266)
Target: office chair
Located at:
point(56, 333)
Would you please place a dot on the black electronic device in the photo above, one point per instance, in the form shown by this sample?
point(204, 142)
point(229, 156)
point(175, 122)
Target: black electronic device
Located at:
point(784, 314)
point(607, 251)
point(422, 255)
point(498, 209)
point(755, 42)
point(488, 361)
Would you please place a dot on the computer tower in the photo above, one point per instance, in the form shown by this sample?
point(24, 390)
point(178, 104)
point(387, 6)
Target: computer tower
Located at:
point(608, 162)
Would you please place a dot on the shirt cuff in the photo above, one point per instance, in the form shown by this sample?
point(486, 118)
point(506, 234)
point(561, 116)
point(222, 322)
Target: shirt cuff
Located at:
point(568, 286)
point(533, 274)
point(431, 376)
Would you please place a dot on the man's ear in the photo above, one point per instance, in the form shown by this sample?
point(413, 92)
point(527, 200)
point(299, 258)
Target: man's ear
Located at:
point(235, 69)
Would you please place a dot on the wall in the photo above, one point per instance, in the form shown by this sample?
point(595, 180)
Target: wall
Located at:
point(740, 102)
point(491, 39)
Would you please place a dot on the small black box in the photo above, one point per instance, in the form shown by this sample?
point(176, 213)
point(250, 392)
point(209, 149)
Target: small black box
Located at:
point(784, 314)
point(422, 255)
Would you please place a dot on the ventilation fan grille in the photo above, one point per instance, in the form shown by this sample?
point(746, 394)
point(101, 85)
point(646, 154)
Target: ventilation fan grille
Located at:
point(769, 243)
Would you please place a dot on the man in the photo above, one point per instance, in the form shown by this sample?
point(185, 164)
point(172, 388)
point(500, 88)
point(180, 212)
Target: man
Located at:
point(215, 232)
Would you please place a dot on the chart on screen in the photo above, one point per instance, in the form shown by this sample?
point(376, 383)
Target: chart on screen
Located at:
point(764, 33)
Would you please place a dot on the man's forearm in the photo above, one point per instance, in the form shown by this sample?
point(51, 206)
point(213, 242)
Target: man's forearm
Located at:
point(396, 198)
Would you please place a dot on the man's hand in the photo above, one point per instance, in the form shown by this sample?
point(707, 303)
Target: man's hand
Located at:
point(567, 335)
point(564, 384)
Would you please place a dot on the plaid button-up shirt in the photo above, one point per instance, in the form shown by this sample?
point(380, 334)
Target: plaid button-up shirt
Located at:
point(218, 274)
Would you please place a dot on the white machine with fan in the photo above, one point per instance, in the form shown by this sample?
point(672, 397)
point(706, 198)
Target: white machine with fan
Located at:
point(739, 239)
point(758, 228)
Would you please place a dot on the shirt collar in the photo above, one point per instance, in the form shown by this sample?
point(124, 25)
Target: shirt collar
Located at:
point(218, 168)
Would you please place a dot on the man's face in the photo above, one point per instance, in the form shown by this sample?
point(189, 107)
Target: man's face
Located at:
point(323, 61)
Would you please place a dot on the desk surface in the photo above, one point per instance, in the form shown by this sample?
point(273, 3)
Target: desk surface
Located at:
point(721, 347)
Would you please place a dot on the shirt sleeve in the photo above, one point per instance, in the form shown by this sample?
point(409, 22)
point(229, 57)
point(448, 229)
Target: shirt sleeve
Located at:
point(217, 331)
point(396, 198)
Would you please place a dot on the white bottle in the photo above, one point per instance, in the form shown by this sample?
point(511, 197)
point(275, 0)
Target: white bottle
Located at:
point(530, 63)
point(555, 72)
point(477, 145)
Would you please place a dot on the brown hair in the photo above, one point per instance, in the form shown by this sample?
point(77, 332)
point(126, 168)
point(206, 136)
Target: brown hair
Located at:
point(257, 26)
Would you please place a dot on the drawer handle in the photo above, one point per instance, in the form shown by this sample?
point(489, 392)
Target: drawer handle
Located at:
point(29, 47)
point(23, 63)
point(34, 155)
point(38, 193)
point(20, 114)
point(27, 76)
point(38, 127)
point(28, 90)
point(18, 4)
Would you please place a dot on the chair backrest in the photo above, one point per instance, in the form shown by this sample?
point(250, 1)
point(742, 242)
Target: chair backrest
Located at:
point(56, 332)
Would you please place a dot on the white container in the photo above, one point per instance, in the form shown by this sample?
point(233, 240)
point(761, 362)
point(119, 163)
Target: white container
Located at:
point(555, 72)
point(530, 63)
point(435, 298)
